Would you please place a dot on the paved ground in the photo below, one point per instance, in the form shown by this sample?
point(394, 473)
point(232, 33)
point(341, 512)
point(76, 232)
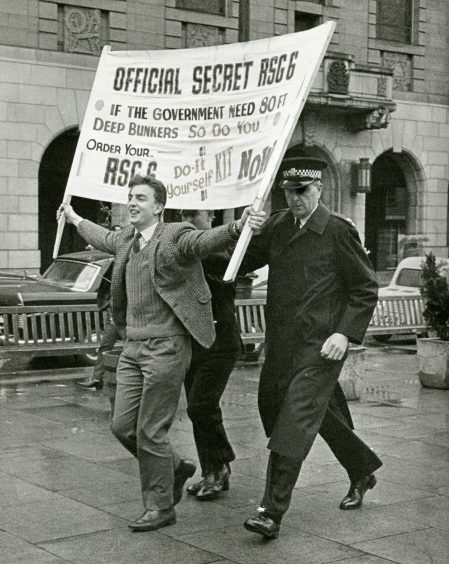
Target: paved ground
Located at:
point(67, 489)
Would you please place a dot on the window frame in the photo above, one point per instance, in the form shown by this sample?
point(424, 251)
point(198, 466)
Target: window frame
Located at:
point(411, 30)
point(201, 8)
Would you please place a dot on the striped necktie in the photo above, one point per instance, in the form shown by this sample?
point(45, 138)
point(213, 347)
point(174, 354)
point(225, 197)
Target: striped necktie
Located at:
point(136, 242)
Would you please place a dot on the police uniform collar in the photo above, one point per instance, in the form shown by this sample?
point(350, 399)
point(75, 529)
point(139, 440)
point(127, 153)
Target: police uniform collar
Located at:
point(318, 220)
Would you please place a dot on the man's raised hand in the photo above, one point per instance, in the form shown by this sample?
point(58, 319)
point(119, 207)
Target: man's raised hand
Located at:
point(70, 215)
point(254, 219)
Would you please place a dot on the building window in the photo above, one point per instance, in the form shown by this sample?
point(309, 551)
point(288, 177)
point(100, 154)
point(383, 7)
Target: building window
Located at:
point(396, 203)
point(305, 21)
point(217, 7)
point(395, 20)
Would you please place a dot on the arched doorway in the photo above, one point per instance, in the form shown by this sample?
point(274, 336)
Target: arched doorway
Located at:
point(53, 174)
point(387, 211)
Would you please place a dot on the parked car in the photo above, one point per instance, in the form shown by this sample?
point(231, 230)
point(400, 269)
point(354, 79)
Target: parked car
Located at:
point(407, 278)
point(259, 284)
point(71, 279)
point(406, 281)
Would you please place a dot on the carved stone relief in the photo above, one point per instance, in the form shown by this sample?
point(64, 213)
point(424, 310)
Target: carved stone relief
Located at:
point(82, 30)
point(338, 78)
point(310, 128)
point(198, 35)
point(382, 86)
point(377, 119)
point(401, 63)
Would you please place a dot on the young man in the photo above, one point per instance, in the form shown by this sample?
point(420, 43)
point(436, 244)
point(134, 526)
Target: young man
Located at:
point(160, 300)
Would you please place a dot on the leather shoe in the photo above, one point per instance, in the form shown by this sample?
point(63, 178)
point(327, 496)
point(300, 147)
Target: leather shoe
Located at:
point(90, 383)
point(214, 483)
point(263, 525)
point(154, 519)
point(193, 489)
point(184, 471)
point(357, 490)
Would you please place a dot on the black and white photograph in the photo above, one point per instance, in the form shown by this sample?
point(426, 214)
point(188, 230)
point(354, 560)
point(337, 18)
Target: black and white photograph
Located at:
point(224, 281)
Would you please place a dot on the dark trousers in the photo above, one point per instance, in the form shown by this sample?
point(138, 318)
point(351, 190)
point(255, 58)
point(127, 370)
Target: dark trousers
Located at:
point(204, 385)
point(110, 337)
point(150, 375)
point(352, 453)
point(336, 429)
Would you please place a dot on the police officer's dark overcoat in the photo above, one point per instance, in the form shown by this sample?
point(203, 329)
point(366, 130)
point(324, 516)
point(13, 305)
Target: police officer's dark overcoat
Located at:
point(320, 282)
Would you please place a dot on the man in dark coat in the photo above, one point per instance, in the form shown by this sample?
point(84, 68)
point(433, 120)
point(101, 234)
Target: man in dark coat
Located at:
point(209, 373)
point(322, 291)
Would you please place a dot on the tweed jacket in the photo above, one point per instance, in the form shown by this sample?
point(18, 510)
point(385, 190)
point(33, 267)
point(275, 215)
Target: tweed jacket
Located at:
point(175, 254)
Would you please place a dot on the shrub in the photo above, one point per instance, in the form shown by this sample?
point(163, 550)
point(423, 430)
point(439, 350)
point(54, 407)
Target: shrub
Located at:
point(435, 292)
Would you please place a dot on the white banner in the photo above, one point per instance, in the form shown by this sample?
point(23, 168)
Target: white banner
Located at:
point(212, 123)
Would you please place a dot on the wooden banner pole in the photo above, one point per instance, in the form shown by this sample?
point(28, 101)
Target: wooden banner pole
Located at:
point(247, 233)
point(242, 245)
point(67, 197)
point(60, 230)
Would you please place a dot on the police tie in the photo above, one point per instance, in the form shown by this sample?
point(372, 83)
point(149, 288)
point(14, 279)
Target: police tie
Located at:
point(136, 242)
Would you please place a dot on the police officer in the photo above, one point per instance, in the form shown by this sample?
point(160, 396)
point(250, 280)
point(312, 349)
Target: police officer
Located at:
point(321, 294)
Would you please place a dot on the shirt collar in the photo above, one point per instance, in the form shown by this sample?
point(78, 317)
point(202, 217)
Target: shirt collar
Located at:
point(304, 220)
point(318, 219)
point(146, 234)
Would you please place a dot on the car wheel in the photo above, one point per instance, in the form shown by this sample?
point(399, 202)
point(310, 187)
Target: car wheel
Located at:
point(382, 338)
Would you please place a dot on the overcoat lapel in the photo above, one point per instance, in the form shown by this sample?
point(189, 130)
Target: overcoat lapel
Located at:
point(317, 222)
point(287, 228)
point(298, 233)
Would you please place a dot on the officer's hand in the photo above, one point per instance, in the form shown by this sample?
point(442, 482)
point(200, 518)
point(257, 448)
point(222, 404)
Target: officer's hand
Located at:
point(69, 213)
point(254, 219)
point(335, 347)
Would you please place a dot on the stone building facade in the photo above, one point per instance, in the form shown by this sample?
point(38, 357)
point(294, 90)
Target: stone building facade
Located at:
point(378, 112)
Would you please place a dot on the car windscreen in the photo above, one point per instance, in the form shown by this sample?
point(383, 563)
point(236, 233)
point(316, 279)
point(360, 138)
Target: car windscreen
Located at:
point(73, 275)
point(410, 277)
